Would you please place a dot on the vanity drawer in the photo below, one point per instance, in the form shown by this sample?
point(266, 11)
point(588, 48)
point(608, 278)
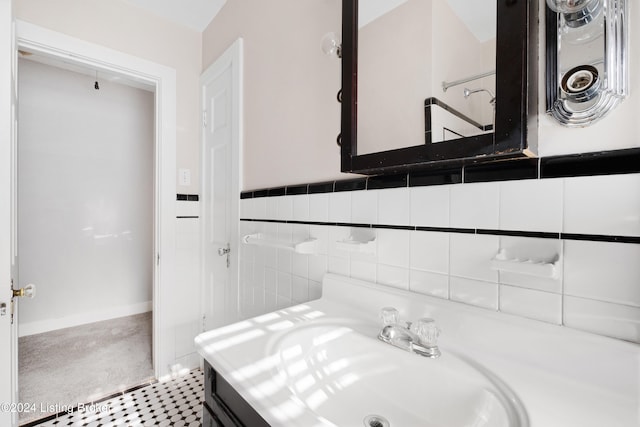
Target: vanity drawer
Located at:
point(224, 407)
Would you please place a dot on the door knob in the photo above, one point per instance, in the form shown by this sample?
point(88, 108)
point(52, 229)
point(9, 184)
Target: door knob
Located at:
point(224, 251)
point(28, 291)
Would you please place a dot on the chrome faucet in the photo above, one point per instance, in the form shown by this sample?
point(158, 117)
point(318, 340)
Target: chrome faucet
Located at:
point(419, 337)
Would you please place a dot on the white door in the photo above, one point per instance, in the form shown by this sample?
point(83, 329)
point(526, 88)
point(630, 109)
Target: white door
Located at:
point(220, 187)
point(8, 249)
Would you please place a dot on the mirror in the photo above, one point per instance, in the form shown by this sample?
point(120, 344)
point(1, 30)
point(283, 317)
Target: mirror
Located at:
point(451, 87)
point(427, 81)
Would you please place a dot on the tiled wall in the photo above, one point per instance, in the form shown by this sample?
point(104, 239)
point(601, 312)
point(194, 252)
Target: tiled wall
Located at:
point(440, 240)
point(188, 321)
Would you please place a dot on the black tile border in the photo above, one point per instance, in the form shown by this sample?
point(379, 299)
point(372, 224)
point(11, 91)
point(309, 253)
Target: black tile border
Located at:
point(436, 177)
point(297, 189)
point(588, 164)
point(321, 187)
point(351, 185)
point(508, 170)
point(187, 197)
point(387, 181)
point(573, 165)
point(600, 238)
point(477, 231)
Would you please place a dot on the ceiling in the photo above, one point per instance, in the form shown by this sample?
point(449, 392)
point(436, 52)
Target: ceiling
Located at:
point(195, 14)
point(478, 15)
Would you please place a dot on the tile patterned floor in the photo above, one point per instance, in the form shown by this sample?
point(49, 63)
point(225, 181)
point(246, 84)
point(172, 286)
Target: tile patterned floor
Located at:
point(176, 403)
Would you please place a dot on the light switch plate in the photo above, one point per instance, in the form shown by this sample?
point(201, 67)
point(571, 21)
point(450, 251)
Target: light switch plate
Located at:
point(184, 176)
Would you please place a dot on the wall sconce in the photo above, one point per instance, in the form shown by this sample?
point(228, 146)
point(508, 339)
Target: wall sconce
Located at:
point(587, 64)
point(332, 45)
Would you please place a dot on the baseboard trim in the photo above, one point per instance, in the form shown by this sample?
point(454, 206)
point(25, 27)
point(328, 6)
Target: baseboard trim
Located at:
point(32, 328)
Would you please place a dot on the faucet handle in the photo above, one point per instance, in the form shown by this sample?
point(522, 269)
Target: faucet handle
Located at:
point(427, 331)
point(389, 316)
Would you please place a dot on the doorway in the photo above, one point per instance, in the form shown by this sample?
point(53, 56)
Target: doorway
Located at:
point(33, 38)
point(85, 232)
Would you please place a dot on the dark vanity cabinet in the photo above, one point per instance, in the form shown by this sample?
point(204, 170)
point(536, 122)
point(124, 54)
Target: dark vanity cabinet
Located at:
point(223, 406)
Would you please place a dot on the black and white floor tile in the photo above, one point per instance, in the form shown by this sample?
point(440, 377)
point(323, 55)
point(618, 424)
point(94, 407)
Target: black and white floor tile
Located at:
point(175, 403)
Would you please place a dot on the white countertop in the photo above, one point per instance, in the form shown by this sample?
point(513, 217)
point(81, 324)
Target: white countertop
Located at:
point(562, 376)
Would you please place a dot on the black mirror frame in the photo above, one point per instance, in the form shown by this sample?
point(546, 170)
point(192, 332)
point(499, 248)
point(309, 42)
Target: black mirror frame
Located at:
point(515, 132)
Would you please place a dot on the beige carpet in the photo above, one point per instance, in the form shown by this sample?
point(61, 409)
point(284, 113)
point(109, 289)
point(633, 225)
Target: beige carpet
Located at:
point(83, 363)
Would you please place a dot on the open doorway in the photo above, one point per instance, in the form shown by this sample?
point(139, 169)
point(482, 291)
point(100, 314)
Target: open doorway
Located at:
point(85, 232)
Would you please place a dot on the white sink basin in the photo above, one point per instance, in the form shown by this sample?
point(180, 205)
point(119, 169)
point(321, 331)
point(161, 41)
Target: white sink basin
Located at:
point(350, 379)
point(320, 364)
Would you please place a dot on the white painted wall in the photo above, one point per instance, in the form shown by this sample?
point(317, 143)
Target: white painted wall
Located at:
point(118, 25)
point(291, 116)
point(85, 198)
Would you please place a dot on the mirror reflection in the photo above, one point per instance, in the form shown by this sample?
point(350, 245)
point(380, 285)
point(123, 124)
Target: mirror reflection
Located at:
point(426, 71)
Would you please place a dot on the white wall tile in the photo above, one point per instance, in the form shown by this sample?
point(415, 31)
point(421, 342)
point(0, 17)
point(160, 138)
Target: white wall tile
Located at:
point(284, 260)
point(321, 234)
point(599, 280)
point(537, 305)
point(603, 271)
point(299, 289)
point(272, 207)
point(393, 206)
point(284, 285)
point(300, 265)
point(284, 232)
point(430, 251)
point(471, 255)
point(393, 247)
point(338, 265)
point(607, 204)
point(282, 302)
point(319, 207)
point(246, 208)
point(300, 207)
point(531, 205)
point(270, 302)
point(475, 205)
point(260, 207)
point(613, 320)
point(285, 208)
point(317, 267)
point(315, 290)
point(364, 270)
point(429, 206)
point(258, 276)
point(187, 208)
point(428, 283)
point(393, 276)
point(271, 280)
point(340, 206)
point(544, 284)
point(474, 292)
point(300, 232)
point(364, 207)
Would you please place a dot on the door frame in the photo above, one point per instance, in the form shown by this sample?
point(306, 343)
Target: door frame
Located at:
point(231, 58)
point(70, 49)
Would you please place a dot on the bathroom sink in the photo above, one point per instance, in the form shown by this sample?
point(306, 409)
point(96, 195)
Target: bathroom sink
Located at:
point(351, 379)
